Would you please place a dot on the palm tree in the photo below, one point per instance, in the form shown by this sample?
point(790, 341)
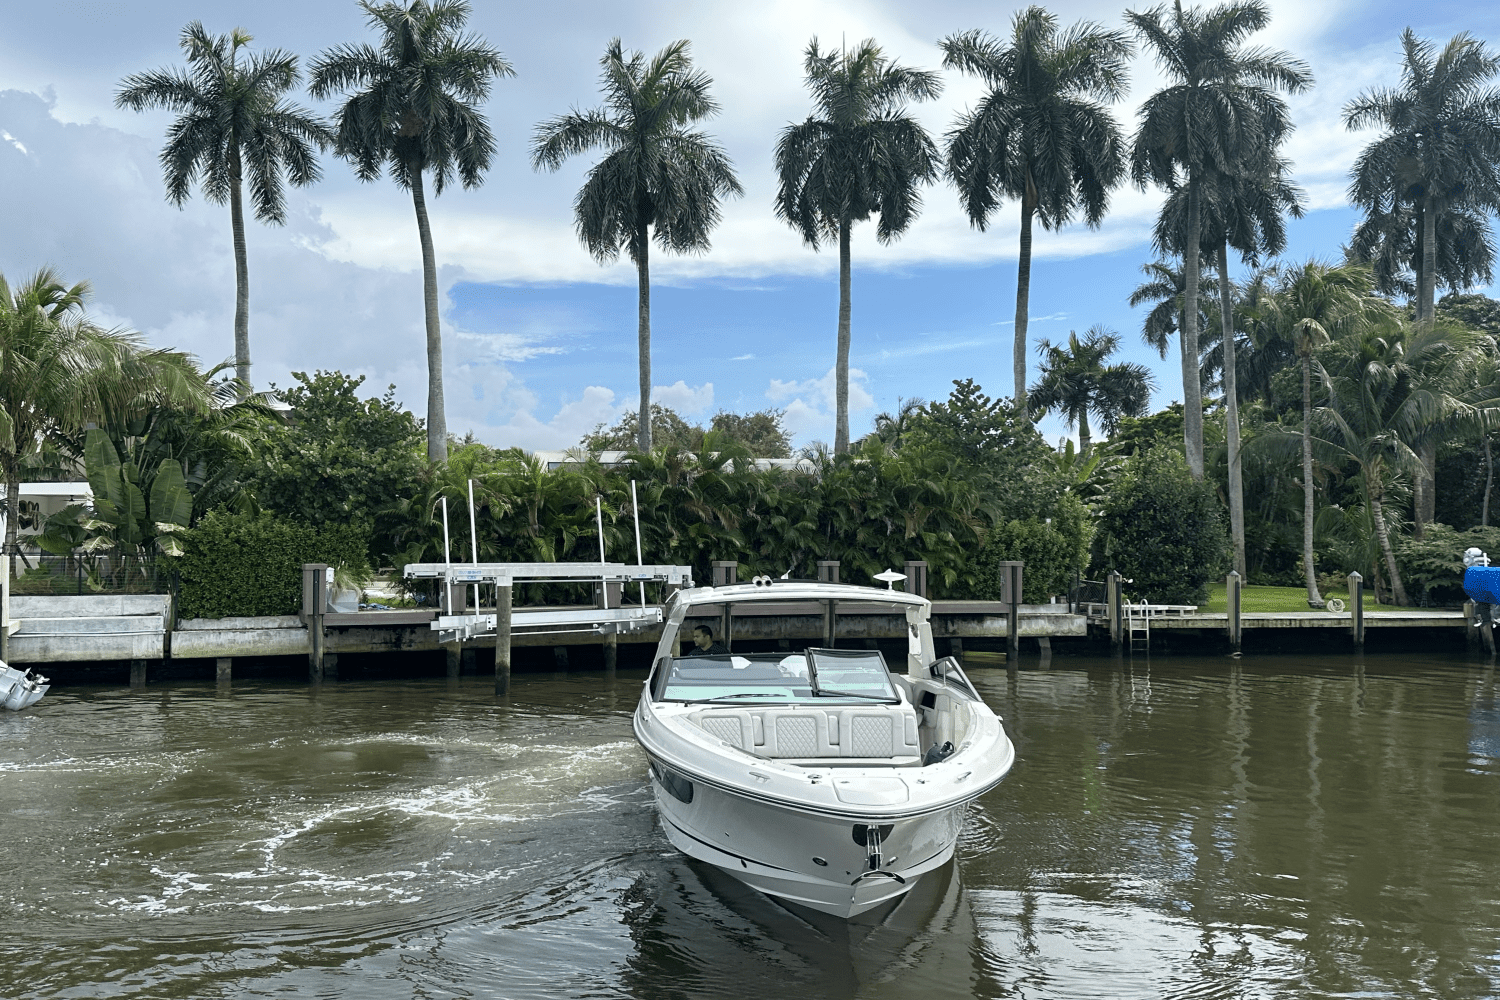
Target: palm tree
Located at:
point(1243, 209)
point(1042, 135)
point(1314, 303)
point(1163, 291)
point(233, 123)
point(414, 106)
point(1076, 382)
point(59, 372)
point(1379, 401)
point(859, 154)
point(1439, 142)
point(1428, 181)
point(1218, 111)
point(660, 177)
point(1391, 243)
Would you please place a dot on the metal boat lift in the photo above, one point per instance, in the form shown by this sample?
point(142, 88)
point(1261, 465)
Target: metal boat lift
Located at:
point(604, 620)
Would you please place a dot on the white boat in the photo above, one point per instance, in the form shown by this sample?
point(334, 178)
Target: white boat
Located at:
point(20, 689)
point(821, 776)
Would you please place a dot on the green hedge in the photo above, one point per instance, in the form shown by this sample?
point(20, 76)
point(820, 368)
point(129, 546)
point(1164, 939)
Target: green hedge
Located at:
point(1052, 550)
point(1433, 569)
point(239, 565)
point(1163, 530)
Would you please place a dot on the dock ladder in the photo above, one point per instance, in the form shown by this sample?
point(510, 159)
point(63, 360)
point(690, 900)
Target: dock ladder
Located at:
point(1138, 622)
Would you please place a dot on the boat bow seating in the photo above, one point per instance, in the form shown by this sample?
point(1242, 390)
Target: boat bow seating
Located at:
point(864, 731)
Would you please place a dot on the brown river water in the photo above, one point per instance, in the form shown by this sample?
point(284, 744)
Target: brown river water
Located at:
point(1183, 827)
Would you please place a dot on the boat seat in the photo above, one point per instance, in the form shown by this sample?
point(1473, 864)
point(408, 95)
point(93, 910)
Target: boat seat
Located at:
point(739, 727)
point(881, 731)
point(887, 731)
point(800, 732)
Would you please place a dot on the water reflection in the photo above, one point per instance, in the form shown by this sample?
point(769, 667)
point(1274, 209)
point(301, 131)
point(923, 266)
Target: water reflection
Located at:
point(700, 933)
point(1176, 827)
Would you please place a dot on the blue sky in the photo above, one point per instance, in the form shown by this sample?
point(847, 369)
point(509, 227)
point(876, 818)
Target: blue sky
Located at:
point(539, 339)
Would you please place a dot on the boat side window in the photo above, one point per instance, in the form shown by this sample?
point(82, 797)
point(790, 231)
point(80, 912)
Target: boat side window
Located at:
point(859, 673)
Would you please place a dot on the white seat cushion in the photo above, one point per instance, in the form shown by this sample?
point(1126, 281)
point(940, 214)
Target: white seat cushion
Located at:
point(877, 732)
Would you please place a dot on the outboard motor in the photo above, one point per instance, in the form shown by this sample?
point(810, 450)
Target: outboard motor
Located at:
point(20, 689)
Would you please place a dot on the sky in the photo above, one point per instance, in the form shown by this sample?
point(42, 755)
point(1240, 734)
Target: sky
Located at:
point(539, 339)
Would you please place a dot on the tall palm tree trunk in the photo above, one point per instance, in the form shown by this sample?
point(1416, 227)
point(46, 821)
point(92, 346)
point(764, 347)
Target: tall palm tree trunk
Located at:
point(1085, 436)
point(1232, 406)
point(1426, 486)
point(642, 256)
point(1313, 597)
point(12, 510)
point(1192, 391)
point(1489, 484)
point(1377, 513)
point(1424, 502)
point(437, 419)
point(1023, 302)
point(241, 276)
point(841, 364)
point(1427, 280)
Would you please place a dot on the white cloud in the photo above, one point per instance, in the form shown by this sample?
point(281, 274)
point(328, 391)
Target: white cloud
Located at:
point(683, 398)
point(810, 404)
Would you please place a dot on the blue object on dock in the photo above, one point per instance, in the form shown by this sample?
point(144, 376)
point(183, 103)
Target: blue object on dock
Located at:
point(1482, 584)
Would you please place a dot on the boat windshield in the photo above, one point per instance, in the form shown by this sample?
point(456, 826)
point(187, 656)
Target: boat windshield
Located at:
point(821, 675)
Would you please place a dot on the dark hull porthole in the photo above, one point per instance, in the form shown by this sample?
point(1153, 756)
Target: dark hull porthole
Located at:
point(820, 862)
point(676, 785)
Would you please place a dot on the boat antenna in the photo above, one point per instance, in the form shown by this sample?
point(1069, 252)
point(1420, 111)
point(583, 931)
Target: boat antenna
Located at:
point(603, 577)
point(473, 543)
point(635, 508)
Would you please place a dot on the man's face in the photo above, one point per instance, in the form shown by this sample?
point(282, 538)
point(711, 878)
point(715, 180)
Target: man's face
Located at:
point(701, 639)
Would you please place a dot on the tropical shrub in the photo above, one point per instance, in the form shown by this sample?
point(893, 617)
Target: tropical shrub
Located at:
point(250, 565)
point(1433, 568)
point(339, 459)
point(1162, 530)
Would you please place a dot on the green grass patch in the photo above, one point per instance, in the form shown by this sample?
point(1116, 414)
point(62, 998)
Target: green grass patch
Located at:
point(1272, 599)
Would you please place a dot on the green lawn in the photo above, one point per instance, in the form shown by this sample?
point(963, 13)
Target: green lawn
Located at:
point(1272, 599)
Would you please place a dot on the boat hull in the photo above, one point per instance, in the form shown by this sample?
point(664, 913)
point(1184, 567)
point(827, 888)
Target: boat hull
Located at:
point(772, 848)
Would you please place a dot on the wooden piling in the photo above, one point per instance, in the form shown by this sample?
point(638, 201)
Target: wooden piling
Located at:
point(224, 669)
point(314, 604)
point(1232, 596)
point(137, 673)
point(611, 651)
point(502, 640)
point(1471, 626)
point(1357, 609)
point(1010, 575)
point(1116, 612)
point(828, 572)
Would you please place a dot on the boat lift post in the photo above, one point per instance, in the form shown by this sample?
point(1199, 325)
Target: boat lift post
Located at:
point(611, 638)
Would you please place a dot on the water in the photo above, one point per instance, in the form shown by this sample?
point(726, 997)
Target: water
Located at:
point(1264, 827)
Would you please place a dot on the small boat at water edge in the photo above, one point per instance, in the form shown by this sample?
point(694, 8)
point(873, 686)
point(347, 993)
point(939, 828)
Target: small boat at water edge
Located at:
point(20, 689)
point(820, 777)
